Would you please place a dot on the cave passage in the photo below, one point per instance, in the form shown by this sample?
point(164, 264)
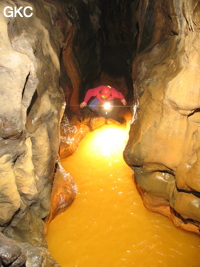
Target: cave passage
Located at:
point(107, 224)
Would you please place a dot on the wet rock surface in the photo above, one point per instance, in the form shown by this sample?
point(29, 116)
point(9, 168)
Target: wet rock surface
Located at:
point(163, 148)
point(63, 193)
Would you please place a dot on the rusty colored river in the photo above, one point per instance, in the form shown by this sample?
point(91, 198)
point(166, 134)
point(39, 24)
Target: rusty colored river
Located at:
point(107, 225)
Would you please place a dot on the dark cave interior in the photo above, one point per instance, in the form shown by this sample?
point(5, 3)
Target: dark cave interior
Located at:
point(104, 46)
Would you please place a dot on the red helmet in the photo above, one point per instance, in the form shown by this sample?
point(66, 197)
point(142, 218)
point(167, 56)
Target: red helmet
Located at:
point(105, 92)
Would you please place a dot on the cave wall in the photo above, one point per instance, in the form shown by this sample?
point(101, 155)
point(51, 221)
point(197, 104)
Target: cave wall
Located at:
point(45, 61)
point(163, 147)
point(31, 106)
point(64, 41)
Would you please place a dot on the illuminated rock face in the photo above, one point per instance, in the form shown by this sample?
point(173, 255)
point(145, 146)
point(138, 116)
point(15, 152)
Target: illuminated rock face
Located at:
point(164, 144)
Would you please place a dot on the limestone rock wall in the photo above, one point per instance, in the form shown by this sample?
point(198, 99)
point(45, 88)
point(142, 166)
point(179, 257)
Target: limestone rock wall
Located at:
point(163, 148)
point(30, 113)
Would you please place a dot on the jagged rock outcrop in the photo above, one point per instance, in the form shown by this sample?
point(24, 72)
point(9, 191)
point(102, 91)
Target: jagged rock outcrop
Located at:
point(163, 147)
point(30, 113)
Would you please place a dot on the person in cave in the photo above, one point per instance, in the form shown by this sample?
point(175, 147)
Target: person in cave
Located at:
point(101, 95)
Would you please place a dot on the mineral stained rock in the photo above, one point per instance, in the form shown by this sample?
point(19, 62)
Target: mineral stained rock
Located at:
point(163, 147)
point(63, 193)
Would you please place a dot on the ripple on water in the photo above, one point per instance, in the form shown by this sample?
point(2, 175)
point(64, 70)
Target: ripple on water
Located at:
point(107, 225)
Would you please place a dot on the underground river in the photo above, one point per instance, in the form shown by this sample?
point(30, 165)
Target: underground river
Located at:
point(107, 224)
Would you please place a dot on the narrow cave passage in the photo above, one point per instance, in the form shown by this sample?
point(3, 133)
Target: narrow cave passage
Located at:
point(98, 52)
point(153, 46)
point(107, 224)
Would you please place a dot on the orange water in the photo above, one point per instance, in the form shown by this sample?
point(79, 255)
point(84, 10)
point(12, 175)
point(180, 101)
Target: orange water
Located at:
point(107, 225)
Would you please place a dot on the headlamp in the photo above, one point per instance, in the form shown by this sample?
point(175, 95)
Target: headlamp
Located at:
point(107, 106)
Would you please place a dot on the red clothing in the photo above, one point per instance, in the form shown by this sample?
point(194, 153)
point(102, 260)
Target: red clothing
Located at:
point(96, 93)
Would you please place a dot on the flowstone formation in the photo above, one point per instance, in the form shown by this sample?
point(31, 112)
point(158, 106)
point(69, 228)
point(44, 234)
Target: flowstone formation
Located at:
point(163, 148)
